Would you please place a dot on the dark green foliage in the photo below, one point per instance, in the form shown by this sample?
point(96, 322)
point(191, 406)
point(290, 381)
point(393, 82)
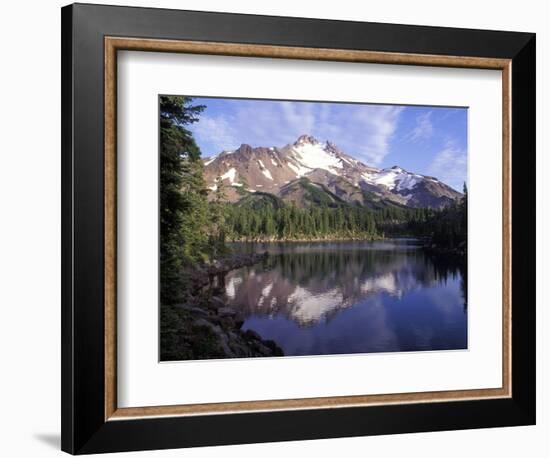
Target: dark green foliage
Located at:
point(192, 229)
point(263, 216)
point(317, 194)
point(178, 111)
point(260, 200)
point(183, 196)
point(256, 219)
point(446, 229)
point(217, 210)
point(183, 338)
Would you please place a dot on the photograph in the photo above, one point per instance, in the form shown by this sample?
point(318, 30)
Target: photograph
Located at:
point(300, 228)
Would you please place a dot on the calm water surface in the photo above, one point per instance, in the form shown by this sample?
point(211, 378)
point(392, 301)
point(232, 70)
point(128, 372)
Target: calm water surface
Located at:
point(350, 297)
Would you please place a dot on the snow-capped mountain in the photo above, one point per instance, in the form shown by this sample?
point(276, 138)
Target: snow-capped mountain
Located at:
point(307, 166)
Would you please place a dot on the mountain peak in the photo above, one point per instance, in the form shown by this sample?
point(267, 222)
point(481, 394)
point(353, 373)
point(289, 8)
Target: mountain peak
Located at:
point(271, 170)
point(245, 148)
point(305, 138)
point(396, 168)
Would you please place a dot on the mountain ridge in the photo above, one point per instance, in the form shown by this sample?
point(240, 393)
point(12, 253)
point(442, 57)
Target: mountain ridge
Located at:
point(247, 170)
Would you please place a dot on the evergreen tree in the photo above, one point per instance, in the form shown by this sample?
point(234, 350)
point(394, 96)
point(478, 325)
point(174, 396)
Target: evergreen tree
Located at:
point(217, 211)
point(182, 194)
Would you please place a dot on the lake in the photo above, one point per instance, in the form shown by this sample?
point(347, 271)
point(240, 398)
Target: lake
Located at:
point(319, 298)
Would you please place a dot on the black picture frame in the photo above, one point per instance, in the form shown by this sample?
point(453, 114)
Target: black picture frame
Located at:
point(84, 428)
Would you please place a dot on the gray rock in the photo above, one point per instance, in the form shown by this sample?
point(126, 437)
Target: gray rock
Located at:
point(275, 349)
point(226, 311)
point(227, 323)
point(222, 338)
point(193, 310)
point(218, 301)
point(224, 343)
point(239, 321)
point(201, 322)
point(250, 334)
point(263, 350)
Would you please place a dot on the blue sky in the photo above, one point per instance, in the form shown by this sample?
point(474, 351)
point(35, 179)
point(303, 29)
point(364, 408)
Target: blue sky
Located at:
point(427, 140)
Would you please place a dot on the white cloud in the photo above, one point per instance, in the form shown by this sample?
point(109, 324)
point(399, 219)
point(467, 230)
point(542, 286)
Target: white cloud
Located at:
point(450, 166)
point(423, 129)
point(364, 131)
point(371, 131)
point(298, 116)
point(218, 132)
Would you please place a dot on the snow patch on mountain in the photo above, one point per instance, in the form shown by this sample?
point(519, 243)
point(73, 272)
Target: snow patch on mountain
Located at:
point(264, 170)
point(395, 179)
point(407, 182)
point(315, 156)
point(229, 175)
point(299, 170)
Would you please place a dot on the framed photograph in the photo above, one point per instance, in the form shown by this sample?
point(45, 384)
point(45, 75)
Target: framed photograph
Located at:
point(283, 228)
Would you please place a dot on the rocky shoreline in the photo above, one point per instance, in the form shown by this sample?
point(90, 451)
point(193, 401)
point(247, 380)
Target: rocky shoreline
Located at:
point(203, 327)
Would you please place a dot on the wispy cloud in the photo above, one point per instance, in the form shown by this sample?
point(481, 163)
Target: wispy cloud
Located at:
point(362, 130)
point(273, 123)
point(218, 132)
point(450, 165)
point(423, 128)
point(373, 130)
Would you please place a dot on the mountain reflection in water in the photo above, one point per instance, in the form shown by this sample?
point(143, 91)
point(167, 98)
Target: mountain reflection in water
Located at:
point(350, 297)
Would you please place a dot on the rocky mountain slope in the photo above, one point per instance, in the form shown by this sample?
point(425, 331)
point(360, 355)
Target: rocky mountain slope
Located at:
point(311, 172)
